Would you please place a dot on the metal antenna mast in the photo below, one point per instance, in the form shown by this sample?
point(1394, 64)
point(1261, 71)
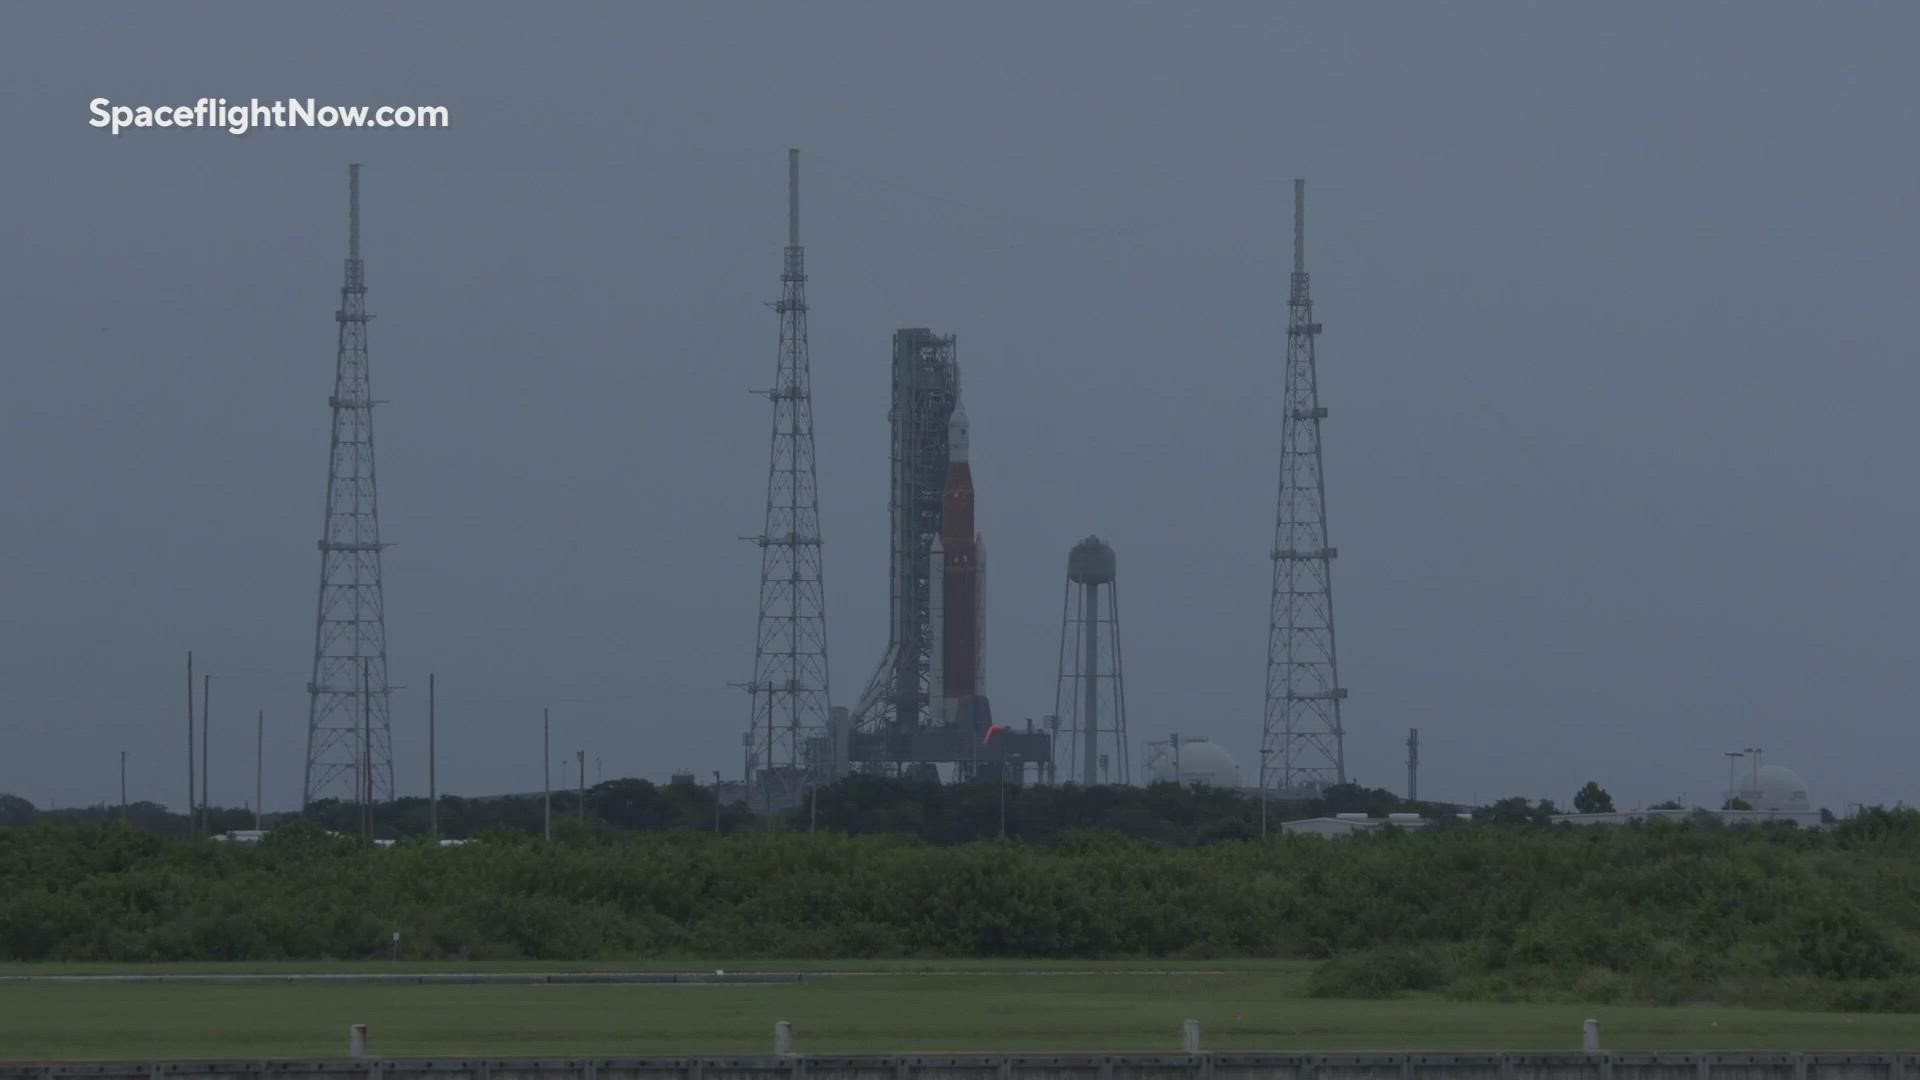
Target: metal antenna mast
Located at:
point(348, 728)
point(1413, 765)
point(1302, 743)
point(787, 724)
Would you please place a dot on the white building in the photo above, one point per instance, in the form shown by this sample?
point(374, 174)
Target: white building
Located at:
point(1348, 824)
point(1771, 793)
point(1806, 819)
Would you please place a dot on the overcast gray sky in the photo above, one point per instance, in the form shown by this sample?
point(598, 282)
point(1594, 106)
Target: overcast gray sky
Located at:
point(1619, 359)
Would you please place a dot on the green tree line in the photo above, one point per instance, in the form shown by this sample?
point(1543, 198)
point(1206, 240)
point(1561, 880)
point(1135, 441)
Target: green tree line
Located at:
point(857, 805)
point(1658, 912)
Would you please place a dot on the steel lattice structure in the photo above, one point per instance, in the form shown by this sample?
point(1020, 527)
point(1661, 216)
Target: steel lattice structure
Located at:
point(1302, 743)
point(349, 733)
point(926, 389)
point(787, 729)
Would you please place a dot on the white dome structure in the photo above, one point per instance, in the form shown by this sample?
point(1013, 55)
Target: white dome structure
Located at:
point(1775, 788)
point(1192, 761)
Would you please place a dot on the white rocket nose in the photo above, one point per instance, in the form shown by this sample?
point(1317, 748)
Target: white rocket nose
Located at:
point(957, 434)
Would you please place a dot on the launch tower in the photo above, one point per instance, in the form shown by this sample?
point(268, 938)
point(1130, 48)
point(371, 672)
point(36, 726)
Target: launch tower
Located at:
point(926, 389)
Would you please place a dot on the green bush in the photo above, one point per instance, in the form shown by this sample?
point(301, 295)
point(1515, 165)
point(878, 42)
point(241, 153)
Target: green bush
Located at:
point(1656, 913)
point(1383, 973)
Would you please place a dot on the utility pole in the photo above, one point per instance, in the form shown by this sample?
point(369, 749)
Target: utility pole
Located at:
point(259, 766)
point(192, 791)
point(546, 769)
point(580, 757)
point(366, 753)
point(433, 789)
point(1301, 735)
point(1003, 791)
point(123, 787)
point(716, 802)
point(206, 759)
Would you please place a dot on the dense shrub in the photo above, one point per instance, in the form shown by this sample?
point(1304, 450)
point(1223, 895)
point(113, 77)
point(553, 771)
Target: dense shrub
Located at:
point(1383, 972)
point(1656, 913)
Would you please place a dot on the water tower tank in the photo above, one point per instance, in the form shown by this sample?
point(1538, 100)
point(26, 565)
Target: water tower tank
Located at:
point(1090, 562)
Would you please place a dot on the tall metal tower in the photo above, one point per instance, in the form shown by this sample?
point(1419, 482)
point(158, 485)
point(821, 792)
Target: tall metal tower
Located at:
point(787, 728)
point(1092, 701)
point(349, 736)
point(926, 390)
point(1302, 742)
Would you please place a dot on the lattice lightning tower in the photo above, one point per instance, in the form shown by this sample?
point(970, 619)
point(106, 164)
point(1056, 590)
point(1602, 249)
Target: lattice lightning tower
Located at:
point(1302, 742)
point(788, 726)
point(349, 736)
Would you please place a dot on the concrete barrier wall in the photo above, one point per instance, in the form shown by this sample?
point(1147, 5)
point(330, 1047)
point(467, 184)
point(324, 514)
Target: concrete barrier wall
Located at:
point(1206, 1066)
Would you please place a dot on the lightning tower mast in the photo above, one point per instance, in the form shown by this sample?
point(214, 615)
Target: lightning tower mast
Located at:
point(787, 725)
point(1302, 742)
point(349, 737)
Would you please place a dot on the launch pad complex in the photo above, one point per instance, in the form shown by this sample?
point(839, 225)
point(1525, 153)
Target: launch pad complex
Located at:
point(925, 711)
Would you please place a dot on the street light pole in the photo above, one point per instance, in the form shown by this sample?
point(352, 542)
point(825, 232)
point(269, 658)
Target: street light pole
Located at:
point(433, 752)
point(206, 807)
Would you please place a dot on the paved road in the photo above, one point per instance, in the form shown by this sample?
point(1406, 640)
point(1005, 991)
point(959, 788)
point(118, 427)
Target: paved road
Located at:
point(663, 978)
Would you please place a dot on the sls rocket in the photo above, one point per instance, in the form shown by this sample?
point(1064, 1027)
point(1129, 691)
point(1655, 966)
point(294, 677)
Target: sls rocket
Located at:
point(958, 603)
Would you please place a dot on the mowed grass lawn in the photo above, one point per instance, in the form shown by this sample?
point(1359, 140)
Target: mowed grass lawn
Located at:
point(981, 1011)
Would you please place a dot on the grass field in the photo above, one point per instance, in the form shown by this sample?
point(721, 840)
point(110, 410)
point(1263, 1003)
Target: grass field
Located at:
point(1262, 1010)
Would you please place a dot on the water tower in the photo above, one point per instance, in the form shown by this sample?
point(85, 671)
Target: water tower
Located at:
point(1091, 698)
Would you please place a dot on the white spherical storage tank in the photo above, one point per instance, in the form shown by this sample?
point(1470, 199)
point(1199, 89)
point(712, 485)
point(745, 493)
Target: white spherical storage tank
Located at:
point(1196, 761)
point(1776, 788)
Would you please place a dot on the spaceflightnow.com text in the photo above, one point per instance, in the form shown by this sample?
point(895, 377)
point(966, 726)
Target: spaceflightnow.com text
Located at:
point(238, 118)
